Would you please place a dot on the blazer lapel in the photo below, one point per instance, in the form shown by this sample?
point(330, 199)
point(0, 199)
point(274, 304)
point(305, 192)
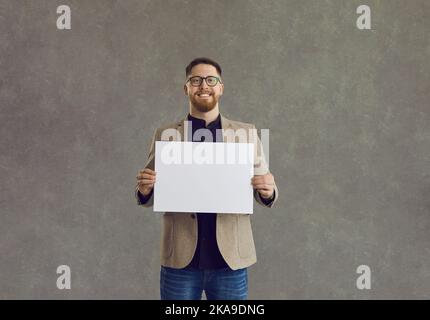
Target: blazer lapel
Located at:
point(182, 128)
point(225, 124)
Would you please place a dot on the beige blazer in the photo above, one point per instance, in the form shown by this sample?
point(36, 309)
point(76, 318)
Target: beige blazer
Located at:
point(233, 231)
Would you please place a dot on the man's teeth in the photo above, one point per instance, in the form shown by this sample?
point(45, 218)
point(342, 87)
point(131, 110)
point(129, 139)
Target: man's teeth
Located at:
point(204, 95)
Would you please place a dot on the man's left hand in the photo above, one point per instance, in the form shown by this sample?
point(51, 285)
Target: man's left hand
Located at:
point(264, 184)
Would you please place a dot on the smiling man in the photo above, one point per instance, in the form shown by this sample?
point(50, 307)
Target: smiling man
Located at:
point(206, 251)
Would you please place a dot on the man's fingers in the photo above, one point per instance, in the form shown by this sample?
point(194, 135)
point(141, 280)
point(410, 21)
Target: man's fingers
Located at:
point(264, 186)
point(145, 182)
point(147, 170)
point(255, 183)
point(262, 179)
point(146, 176)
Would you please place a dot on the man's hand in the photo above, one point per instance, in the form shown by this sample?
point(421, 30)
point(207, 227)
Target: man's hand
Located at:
point(264, 184)
point(145, 181)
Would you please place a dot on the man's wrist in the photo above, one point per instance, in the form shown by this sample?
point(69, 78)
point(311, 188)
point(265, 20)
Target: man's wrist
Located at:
point(142, 194)
point(144, 198)
point(268, 200)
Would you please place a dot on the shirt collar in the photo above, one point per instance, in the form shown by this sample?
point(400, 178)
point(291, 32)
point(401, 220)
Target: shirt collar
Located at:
point(202, 123)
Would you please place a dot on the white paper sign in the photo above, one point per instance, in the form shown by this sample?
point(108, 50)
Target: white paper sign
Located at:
point(203, 177)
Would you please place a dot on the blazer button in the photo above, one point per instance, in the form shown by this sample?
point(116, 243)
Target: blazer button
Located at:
point(193, 216)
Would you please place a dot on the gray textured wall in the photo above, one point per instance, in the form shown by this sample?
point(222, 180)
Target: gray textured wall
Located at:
point(350, 140)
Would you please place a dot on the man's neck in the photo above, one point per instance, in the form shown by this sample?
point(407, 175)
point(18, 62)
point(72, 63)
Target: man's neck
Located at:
point(207, 116)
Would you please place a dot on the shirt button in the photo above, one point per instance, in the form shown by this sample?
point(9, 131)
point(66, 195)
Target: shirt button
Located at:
point(193, 216)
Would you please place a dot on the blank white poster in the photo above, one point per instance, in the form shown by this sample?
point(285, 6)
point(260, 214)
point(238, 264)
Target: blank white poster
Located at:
point(203, 177)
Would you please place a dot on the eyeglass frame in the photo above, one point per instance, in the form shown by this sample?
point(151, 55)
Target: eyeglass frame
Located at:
point(204, 78)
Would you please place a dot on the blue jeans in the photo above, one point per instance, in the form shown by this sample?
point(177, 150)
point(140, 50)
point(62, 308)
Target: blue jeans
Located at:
point(189, 283)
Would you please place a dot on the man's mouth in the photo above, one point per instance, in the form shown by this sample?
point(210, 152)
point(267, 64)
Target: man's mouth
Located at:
point(204, 95)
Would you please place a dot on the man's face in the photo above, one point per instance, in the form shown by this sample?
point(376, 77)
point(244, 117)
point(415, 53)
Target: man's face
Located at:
point(204, 98)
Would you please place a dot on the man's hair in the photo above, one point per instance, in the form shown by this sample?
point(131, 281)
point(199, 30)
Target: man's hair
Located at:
point(202, 60)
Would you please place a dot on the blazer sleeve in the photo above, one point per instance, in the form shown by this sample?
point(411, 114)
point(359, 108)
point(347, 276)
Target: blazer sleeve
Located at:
point(260, 168)
point(148, 201)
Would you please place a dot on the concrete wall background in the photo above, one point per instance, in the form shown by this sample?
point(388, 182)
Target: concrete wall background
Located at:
point(350, 140)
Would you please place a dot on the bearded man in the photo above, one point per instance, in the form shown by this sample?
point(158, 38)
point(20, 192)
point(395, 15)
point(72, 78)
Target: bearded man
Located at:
point(205, 251)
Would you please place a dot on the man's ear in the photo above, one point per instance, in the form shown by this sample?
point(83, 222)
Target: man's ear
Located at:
point(185, 89)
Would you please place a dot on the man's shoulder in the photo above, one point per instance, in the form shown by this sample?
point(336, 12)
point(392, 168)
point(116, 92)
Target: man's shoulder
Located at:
point(170, 125)
point(240, 124)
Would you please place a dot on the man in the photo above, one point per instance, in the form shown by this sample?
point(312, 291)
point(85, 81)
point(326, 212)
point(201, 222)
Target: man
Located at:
point(205, 251)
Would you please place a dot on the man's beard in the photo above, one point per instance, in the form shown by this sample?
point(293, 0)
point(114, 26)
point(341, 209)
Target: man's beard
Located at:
point(204, 105)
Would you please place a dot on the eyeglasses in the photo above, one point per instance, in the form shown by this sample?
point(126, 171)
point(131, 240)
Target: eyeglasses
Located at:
point(210, 80)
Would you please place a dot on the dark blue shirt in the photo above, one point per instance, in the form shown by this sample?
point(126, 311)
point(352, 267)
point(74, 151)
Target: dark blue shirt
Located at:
point(207, 254)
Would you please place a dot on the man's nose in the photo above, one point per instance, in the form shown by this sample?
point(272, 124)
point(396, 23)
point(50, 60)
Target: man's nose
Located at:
point(204, 85)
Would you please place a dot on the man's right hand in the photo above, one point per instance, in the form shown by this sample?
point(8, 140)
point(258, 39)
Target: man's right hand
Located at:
point(145, 181)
